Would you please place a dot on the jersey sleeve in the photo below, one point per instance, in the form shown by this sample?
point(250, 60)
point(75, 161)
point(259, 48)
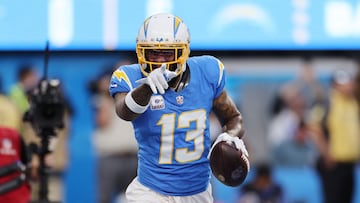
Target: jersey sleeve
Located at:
point(123, 79)
point(221, 78)
point(215, 73)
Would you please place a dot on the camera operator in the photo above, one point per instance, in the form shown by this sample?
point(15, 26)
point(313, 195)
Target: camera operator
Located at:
point(14, 188)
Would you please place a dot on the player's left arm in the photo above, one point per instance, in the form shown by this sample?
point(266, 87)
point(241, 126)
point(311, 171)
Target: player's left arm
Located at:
point(229, 116)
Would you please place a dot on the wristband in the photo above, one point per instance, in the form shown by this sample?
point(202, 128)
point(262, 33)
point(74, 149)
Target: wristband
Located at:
point(133, 106)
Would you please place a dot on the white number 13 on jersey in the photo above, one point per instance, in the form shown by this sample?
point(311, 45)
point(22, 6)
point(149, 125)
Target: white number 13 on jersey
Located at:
point(169, 126)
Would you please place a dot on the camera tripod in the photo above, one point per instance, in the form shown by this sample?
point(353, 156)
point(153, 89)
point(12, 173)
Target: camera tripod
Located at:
point(44, 170)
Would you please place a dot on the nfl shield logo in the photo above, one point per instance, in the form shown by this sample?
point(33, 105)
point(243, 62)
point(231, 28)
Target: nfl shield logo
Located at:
point(180, 100)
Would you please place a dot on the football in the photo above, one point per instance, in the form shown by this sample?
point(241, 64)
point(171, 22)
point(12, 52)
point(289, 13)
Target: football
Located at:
point(228, 164)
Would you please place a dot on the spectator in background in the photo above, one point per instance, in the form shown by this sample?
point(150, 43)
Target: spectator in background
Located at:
point(289, 137)
point(27, 79)
point(290, 142)
point(14, 188)
point(10, 115)
point(19, 94)
point(114, 142)
point(308, 85)
point(284, 124)
point(336, 131)
point(262, 188)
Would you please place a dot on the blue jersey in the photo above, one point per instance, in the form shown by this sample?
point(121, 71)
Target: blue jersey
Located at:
point(173, 133)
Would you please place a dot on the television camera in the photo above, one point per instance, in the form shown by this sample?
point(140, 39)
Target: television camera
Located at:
point(46, 116)
point(46, 107)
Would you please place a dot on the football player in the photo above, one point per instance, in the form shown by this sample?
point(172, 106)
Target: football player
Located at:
point(168, 96)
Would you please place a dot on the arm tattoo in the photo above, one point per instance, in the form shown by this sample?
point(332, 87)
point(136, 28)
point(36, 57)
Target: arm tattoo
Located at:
point(228, 115)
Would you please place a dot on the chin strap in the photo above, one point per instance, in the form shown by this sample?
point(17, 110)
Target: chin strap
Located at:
point(183, 81)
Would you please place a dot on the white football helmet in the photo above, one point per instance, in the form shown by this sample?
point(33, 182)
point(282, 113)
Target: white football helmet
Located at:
point(163, 31)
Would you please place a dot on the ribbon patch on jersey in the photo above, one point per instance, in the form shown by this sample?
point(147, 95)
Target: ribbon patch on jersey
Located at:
point(157, 102)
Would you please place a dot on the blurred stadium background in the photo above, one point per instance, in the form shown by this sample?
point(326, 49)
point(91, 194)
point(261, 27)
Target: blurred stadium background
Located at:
point(262, 44)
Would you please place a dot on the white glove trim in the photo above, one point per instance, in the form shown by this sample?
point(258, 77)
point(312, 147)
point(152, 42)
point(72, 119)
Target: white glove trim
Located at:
point(239, 143)
point(133, 106)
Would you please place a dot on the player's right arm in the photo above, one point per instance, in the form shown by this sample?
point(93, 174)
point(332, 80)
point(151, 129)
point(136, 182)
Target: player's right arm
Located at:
point(129, 105)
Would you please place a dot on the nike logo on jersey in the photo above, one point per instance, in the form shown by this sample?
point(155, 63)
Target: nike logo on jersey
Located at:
point(113, 85)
